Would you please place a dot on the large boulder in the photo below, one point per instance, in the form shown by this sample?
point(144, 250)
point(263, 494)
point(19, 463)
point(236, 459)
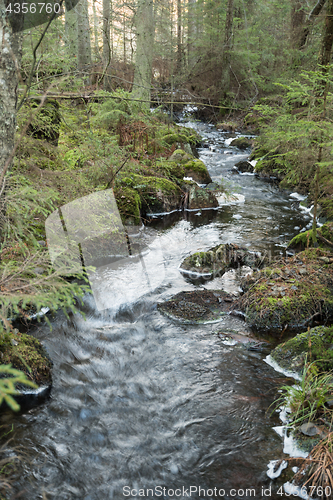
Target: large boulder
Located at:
point(290, 295)
point(244, 166)
point(157, 195)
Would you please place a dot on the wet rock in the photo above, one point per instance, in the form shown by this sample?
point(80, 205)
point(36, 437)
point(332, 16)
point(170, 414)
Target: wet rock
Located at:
point(244, 166)
point(242, 143)
point(199, 306)
point(309, 429)
point(201, 198)
point(219, 259)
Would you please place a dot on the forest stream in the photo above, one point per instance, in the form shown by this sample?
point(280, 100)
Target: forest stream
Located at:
point(140, 402)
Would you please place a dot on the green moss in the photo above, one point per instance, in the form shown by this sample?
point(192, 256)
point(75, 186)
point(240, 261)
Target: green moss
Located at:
point(316, 345)
point(170, 169)
point(303, 240)
point(27, 354)
point(128, 202)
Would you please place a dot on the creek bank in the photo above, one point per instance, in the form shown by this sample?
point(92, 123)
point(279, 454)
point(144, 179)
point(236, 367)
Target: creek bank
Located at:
point(303, 240)
point(290, 295)
point(315, 345)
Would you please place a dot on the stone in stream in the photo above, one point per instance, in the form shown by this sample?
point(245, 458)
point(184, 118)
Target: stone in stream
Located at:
point(244, 166)
point(217, 260)
point(242, 143)
point(193, 168)
point(201, 198)
point(199, 306)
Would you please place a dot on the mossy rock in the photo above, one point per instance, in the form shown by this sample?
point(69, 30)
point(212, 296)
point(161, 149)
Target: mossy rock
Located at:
point(180, 156)
point(244, 166)
point(217, 260)
point(128, 203)
point(324, 237)
point(157, 195)
point(313, 346)
point(27, 354)
point(201, 198)
point(197, 170)
point(174, 138)
point(293, 294)
point(241, 143)
point(199, 306)
point(170, 169)
point(46, 123)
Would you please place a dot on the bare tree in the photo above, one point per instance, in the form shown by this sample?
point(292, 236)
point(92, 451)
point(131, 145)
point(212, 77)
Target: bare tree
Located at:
point(144, 23)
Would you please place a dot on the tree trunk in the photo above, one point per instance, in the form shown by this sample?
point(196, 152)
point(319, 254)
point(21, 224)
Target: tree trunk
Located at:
point(179, 36)
point(96, 45)
point(192, 31)
point(83, 37)
point(327, 40)
point(313, 14)
point(8, 92)
point(106, 41)
point(71, 33)
point(226, 56)
point(144, 23)
point(298, 17)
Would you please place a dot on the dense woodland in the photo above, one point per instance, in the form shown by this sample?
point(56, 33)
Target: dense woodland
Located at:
point(76, 116)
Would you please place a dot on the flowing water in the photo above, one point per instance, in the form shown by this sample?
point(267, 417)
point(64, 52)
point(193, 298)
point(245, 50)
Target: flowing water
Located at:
point(143, 403)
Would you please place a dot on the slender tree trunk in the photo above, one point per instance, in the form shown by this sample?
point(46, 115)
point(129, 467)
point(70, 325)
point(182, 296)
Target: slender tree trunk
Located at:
point(144, 23)
point(8, 91)
point(191, 30)
point(298, 17)
point(106, 40)
point(83, 36)
point(226, 56)
point(179, 36)
point(96, 45)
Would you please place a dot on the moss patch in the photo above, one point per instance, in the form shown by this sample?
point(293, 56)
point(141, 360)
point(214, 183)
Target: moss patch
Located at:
point(303, 240)
point(316, 345)
point(290, 296)
point(198, 171)
point(25, 352)
point(129, 203)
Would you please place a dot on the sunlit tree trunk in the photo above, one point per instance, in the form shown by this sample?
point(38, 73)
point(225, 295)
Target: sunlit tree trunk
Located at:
point(144, 23)
point(96, 45)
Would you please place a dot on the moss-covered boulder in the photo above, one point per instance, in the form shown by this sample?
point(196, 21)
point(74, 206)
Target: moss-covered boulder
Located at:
point(304, 240)
point(242, 143)
point(201, 198)
point(170, 169)
point(292, 294)
point(219, 259)
point(198, 306)
point(315, 345)
point(157, 195)
point(227, 126)
point(194, 168)
point(128, 203)
point(26, 353)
